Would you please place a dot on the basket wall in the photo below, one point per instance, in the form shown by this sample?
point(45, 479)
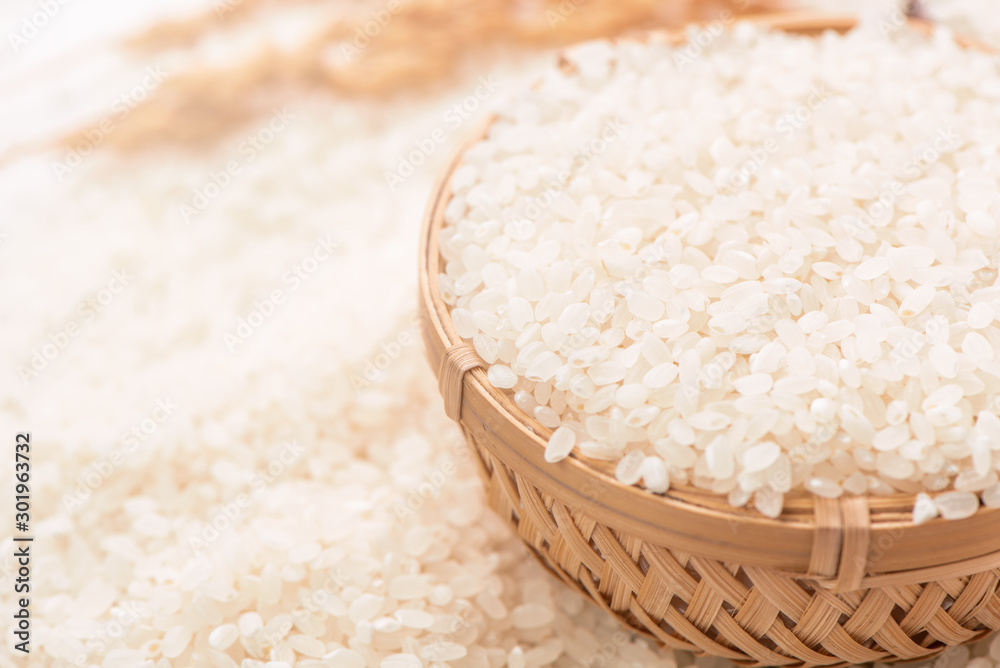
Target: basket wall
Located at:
point(753, 616)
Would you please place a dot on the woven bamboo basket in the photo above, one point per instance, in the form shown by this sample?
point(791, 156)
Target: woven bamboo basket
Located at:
point(828, 583)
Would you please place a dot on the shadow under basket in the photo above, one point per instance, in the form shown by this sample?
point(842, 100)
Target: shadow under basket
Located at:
point(829, 582)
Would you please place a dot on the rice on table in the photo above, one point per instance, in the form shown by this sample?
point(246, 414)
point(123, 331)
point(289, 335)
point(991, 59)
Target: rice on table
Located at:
point(764, 264)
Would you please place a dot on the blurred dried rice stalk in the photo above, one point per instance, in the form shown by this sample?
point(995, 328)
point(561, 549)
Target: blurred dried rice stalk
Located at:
point(422, 44)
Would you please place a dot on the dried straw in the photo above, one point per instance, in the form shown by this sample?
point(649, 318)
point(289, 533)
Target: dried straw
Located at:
point(424, 45)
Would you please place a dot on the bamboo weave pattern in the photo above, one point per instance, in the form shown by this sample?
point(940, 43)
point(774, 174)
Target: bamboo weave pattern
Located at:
point(754, 616)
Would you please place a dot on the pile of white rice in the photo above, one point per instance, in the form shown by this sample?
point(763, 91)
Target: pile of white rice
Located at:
point(755, 265)
point(269, 500)
point(199, 502)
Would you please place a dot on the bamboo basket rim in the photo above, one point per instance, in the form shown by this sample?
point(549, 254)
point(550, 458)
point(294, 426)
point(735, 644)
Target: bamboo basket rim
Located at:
point(695, 520)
